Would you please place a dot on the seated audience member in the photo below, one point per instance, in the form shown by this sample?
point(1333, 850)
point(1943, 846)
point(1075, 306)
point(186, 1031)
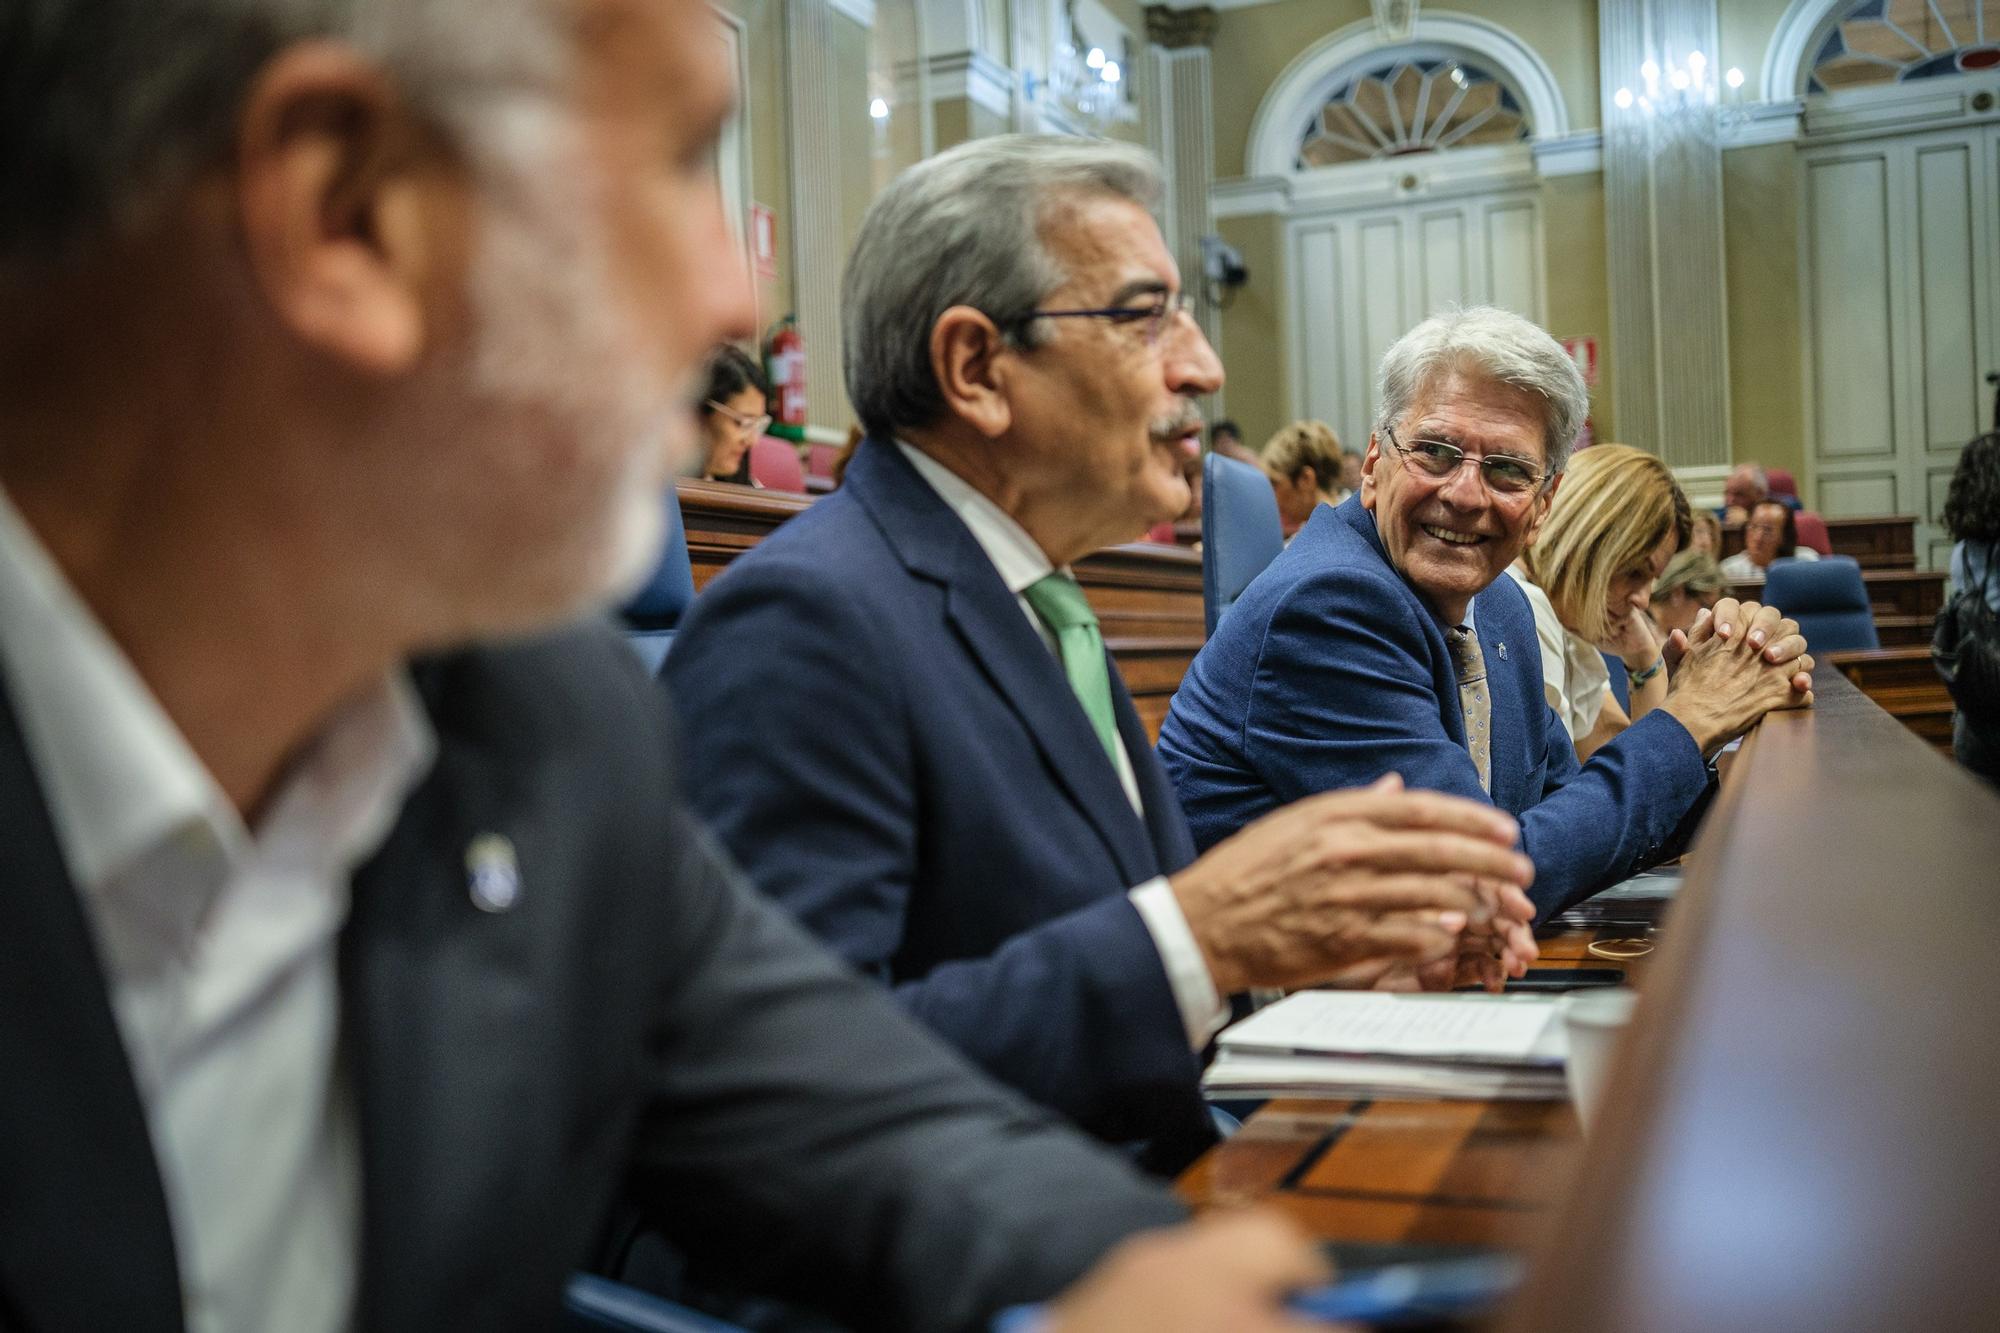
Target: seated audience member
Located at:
point(1972, 517)
point(1705, 534)
point(1771, 534)
point(733, 415)
point(1225, 439)
point(908, 726)
point(1350, 474)
point(1386, 640)
point(1303, 463)
point(1690, 585)
point(357, 939)
point(1615, 522)
point(1748, 486)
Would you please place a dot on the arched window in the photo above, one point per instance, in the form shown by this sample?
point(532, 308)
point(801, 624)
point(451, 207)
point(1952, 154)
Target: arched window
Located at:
point(1866, 43)
point(1412, 104)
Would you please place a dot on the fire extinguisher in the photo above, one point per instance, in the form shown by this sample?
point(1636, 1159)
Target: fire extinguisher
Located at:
point(785, 364)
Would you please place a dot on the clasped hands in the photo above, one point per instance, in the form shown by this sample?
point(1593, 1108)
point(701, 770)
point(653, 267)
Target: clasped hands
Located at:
point(1373, 886)
point(1740, 661)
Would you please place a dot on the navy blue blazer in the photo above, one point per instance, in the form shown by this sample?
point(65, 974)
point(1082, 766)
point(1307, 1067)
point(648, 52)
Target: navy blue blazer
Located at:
point(1331, 670)
point(891, 750)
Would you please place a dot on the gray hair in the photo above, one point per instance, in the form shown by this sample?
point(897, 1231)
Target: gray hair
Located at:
point(109, 107)
point(964, 228)
point(1757, 474)
point(1487, 343)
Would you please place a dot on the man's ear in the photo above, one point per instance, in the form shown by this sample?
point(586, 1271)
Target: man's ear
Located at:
point(1542, 503)
point(969, 359)
point(1368, 492)
point(340, 229)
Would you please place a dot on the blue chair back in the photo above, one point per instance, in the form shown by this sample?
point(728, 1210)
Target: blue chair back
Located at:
point(654, 611)
point(1240, 531)
point(1829, 600)
point(595, 1304)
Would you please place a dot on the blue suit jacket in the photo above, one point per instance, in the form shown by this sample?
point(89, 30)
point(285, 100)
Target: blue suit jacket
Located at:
point(1331, 671)
point(891, 751)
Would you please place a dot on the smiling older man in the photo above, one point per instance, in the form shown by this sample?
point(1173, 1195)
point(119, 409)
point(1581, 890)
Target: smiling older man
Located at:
point(1385, 641)
point(908, 725)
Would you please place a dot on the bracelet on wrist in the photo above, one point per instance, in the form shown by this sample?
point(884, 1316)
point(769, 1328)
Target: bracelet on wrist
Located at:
point(1641, 677)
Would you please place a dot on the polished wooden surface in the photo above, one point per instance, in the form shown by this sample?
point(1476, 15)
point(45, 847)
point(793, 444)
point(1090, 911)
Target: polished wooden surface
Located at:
point(1799, 1133)
point(1905, 684)
point(1877, 541)
point(1147, 595)
point(1891, 592)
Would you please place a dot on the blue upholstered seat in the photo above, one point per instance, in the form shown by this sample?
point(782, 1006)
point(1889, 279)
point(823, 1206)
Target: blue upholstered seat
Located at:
point(1829, 600)
point(1240, 531)
point(654, 611)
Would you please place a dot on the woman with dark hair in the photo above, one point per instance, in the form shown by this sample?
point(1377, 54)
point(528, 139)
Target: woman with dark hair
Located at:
point(1972, 517)
point(733, 414)
point(1771, 534)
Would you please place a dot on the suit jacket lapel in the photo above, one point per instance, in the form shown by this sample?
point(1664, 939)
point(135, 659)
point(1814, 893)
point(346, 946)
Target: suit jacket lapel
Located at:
point(934, 544)
point(76, 1163)
point(1173, 844)
point(433, 990)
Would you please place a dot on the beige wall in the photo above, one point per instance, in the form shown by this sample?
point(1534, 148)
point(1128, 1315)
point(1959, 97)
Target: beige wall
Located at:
point(1252, 335)
point(1761, 232)
point(1579, 304)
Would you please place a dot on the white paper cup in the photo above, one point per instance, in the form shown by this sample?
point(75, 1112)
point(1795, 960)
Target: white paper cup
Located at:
point(1592, 1020)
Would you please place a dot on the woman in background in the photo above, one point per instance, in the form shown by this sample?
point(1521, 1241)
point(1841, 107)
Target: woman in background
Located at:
point(1691, 584)
point(1617, 519)
point(1303, 462)
point(1705, 538)
point(734, 412)
point(1771, 534)
point(1972, 517)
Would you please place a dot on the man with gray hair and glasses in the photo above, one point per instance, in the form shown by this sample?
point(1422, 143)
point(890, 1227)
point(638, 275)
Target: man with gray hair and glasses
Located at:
point(355, 940)
point(1385, 641)
point(910, 731)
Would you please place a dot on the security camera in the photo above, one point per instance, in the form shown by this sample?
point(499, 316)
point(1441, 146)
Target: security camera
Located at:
point(1223, 264)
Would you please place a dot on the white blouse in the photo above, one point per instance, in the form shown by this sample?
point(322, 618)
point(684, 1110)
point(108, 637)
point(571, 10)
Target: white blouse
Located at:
point(1574, 677)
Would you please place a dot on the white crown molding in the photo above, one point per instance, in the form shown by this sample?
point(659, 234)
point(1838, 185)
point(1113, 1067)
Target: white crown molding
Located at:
point(861, 11)
point(1314, 73)
point(1763, 123)
point(1576, 154)
point(1321, 190)
point(972, 75)
point(1250, 196)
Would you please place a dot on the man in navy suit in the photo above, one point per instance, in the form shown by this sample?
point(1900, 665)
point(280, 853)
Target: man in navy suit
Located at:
point(909, 729)
point(1385, 641)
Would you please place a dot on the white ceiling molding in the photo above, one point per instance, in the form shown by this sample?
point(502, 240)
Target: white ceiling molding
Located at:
point(972, 75)
point(1306, 83)
point(1575, 154)
point(1392, 180)
point(861, 11)
point(1801, 28)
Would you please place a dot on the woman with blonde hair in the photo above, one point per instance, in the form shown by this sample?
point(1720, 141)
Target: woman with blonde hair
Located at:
point(1303, 462)
point(1617, 518)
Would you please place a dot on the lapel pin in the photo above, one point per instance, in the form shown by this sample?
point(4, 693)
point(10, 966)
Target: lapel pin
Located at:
point(1501, 646)
point(492, 875)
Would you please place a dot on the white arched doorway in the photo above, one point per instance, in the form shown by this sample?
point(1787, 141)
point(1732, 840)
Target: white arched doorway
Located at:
point(1406, 177)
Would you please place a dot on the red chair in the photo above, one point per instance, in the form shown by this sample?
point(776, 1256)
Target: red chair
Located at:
point(774, 465)
point(1812, 531)
point(819, 459)
point(1783, 484)
point(1162, 533)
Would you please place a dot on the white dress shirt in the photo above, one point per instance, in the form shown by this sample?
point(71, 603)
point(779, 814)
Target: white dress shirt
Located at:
point(1020, 564)
point(1738, 568)
point(1575, 678)
point(219, 946)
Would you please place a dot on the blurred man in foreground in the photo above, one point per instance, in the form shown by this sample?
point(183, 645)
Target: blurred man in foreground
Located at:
point(347, 964)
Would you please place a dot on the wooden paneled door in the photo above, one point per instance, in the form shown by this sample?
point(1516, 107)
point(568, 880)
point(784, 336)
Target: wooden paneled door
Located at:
point(1900, 241)
point(1363, 278)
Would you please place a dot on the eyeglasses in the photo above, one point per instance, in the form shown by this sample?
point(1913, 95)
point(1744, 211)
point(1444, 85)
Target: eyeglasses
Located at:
point(1153, 317)
point(748, 425)
point(1504, 473)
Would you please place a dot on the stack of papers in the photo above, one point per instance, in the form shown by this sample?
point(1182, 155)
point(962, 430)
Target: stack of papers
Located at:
point(1365, 1044)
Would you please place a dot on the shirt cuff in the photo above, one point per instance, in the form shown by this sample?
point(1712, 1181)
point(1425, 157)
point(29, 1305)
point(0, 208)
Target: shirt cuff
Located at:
point(1203, 1012)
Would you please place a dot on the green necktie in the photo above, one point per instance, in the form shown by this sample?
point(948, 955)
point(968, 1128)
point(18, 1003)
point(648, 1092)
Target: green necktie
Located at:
point(1063, 608)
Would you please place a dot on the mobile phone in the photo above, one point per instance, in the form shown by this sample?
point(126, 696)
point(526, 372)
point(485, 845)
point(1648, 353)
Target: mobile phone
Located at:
point(1415, 1293)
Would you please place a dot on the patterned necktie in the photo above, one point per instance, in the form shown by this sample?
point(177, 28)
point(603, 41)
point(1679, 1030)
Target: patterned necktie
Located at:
point(1474, 699)
point(1063, 608)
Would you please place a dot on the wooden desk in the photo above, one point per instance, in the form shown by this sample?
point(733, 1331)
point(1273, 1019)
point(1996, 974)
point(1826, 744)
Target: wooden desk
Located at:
point(1147, 596)
point(1891, 592)
point(1798, 1134)
point(1876, 541)
point(1905, 684)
